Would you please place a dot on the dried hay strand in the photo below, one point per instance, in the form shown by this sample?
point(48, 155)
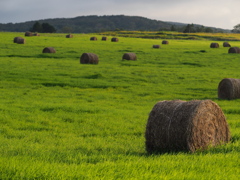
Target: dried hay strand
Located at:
point(229, 88)
point(185, 126)
point(69, 36)
point(19, 40)
point(104, 38)
point(93, 39)
point(28, 33)
point(226, 44)
point(234, 50)
point(49, 50)
point(114, 39)
point(165, 42)
point(214, 45)
point(89, 58)
point(129, 56)
point(156, 46)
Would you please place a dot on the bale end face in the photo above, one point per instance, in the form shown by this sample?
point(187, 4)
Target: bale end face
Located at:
point(89, 58)
point(69, 36)
point(49, 50)
point(185, 126)
point(229, 88)
point(165, 42)
point(129, 56)
point(114, 39)
point(234, 50)
point(214, 45)
point(19, 40)
point(104, 38)
point(226, 44)
point(156, 46)
point(93, 39)
point(28, 33)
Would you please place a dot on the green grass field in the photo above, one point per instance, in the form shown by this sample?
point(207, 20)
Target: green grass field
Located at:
point(60, 119)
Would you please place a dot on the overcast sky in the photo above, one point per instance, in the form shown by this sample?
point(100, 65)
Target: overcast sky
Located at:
point(216, 13)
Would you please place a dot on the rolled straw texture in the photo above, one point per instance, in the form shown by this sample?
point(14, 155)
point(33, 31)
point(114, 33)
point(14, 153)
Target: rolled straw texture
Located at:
point(185, 126)
point(229, 88)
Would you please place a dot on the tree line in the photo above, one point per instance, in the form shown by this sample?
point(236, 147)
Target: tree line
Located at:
point(42, 28)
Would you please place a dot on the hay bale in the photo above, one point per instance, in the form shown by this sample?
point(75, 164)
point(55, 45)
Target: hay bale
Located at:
point(69, 36)
point(185, 126)
point(234, 50)
point(28, 33)
point(229, 88)
point(89, 58)
point(93, 39)
point(36, 34)
point(19, 40)
point(114, 39)
point(165, 42)
point(129, 56)
point(214, 45)
point(49, 50)
point(226, 44)
point(104, 38)
point(156, 46)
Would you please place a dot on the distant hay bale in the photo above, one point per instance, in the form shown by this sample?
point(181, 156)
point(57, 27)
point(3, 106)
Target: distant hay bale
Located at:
point(185, 126)
point(214, 45)
point(19, 40)
point(226, 44)
point(89, 58)
point(36, 34)
point(93, 39)
point(104, 38)
point(69, 36)
point(234, 50)
point(28, 33)
point(129, 56)
point(114, 39)
point(156, 46)
point(165, 42)
point(229, 88)
point(49, 50)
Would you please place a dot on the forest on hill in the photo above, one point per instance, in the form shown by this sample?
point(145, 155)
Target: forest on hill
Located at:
point(94, 24)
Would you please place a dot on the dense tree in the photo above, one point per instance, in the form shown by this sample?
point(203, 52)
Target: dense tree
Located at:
point(189, 29)
point(37, 27)
point(44, 28)
point(236, 29)
point(47, 28)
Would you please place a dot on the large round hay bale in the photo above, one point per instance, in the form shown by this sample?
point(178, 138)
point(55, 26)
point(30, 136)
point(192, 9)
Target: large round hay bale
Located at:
point(156, 46)
point(229, 88)
point(28, 33)
point(69, 36)
point(214, 45)
point(104, 38)
point(129, 56)
point(226, 44)
point(19, 40)
point(93, 39)
point(234, 50)
point(185, 126)
point(49, 50)
point(165, 42)
point(89, 58)
point(114, 39)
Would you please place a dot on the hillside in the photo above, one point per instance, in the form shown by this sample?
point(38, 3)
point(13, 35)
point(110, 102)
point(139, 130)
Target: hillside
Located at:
point(93, 24)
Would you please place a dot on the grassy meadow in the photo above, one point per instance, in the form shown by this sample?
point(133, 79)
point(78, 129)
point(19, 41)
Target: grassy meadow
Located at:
point(60, 119)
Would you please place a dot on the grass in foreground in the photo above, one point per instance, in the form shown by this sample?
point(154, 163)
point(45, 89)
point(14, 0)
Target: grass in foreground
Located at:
point(64, 120)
